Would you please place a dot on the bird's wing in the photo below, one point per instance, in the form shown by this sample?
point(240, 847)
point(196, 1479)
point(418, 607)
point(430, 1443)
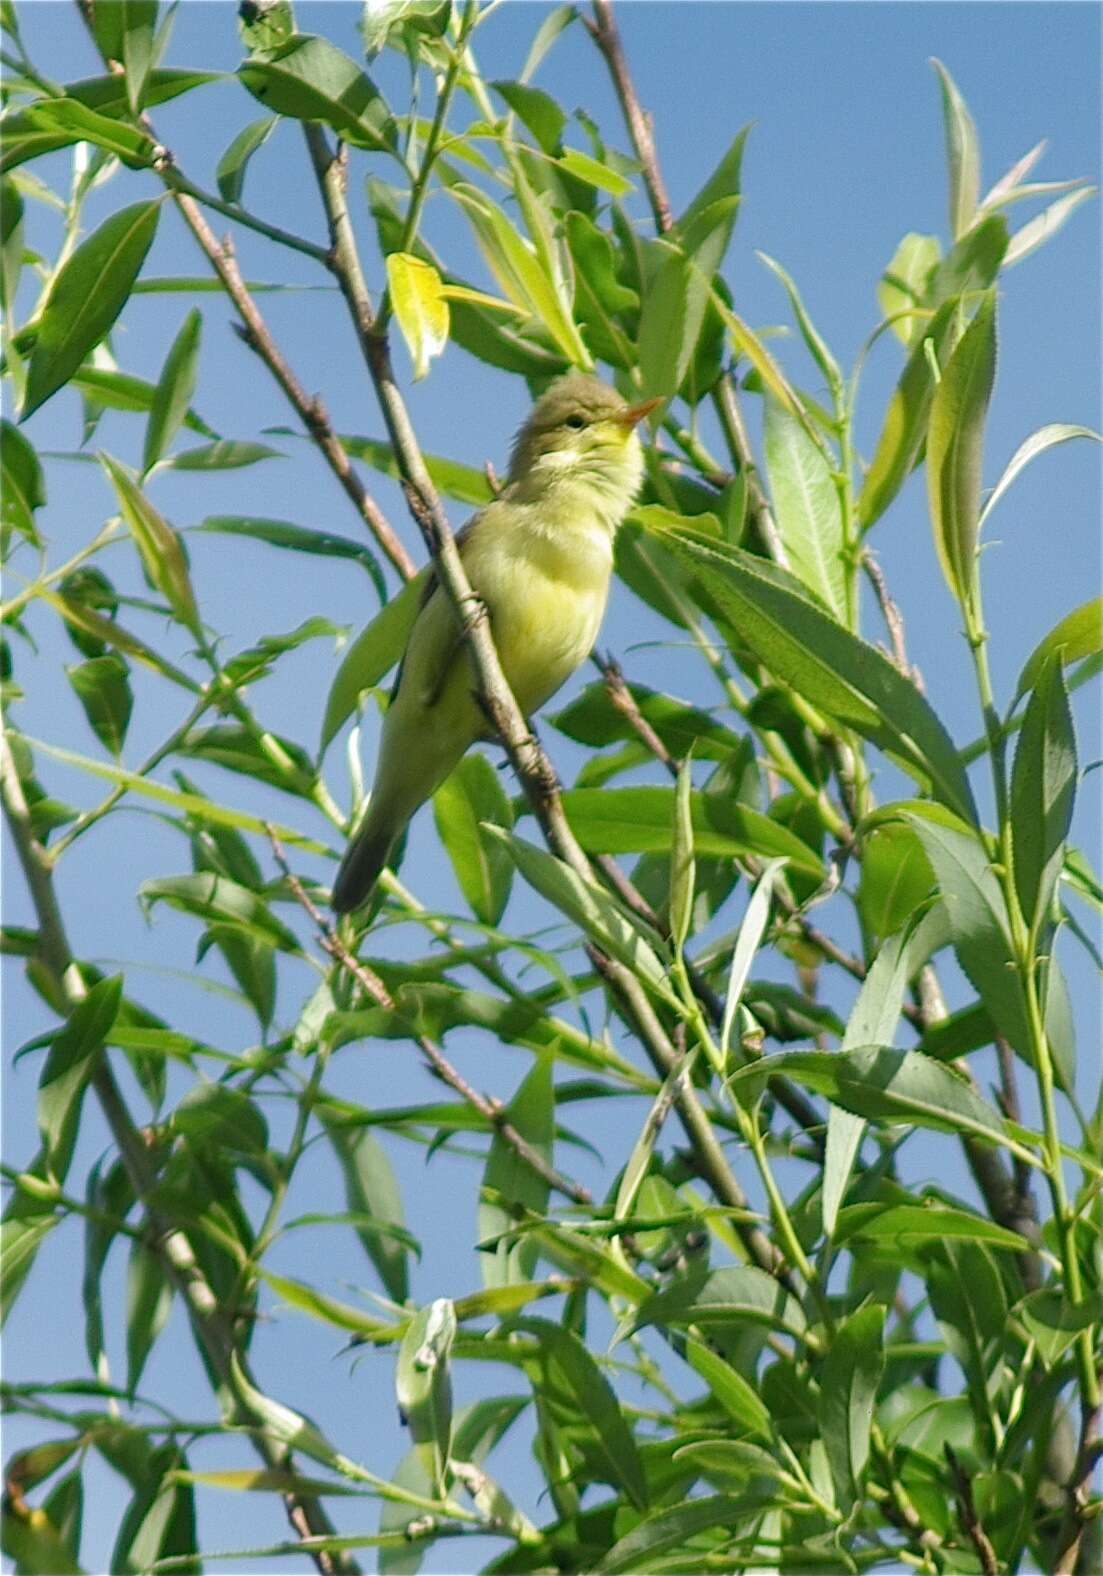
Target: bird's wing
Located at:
point(432, 583)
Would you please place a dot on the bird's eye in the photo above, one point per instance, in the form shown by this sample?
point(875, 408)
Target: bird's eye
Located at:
point(576, 422)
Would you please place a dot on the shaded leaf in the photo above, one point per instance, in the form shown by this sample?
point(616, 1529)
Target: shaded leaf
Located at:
point(102, 686)
point(806, 508)
point(371, 1189)
point(157, 542)
point(175, 387)
point(232, 166)
point(848, 1390)
point(308, 78)
point(962, 153)
point(955, 451)
point(371, 656)
point(470, 795)
point(1043, 787)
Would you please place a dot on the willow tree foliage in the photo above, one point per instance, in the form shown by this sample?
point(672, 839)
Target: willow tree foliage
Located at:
point(759, 1342)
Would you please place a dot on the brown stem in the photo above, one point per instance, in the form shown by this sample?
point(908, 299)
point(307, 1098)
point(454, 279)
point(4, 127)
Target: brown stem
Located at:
point(605, 33)
point(894, 619)
point(212, 1327)
point(492, 1111)
point(989, 1563)
point(1070, 1539)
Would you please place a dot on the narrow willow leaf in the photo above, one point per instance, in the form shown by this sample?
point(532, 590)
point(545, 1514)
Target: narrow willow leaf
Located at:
point(676, 299)
point(1043, 787)
point(817, 345)
point(905, 283)
point(1046, 224)
point(747, 942)
point(807, 508)
point(520, 273)
point(725, 181)
point(233, 164)
point(74, 121)
point(102, 685)
point(196, 805)
point(962, 154)
point(682, 864)
point(727, 1385)
point(977, 913)
point(24, 483)
point(148, 1303)
point(220, 901)
point(1078, 634)
point(565, 1363)
point(510, 1181)
point(68, 1067)
point(420, 308)
point(726, 1297)
point(157, 543)
point(955, 451)
point(373, 1195)
point(590, 908)
point(122, 391)
point(85, 298)
point(175, 387)
point(747, 343)
point(584, 168)
point(471, 795)
point(371, 657)
point(640, 820)
point(423, 1385)
point(11, 244)
point(850, 680)
point(462, 482)
point(905, 426)
point(896, 877)
point(308, 78)
point(537, 111)
point(913, 1224)
point(1038, 442)
point(89, 627)
point(848, 1391)
point(224, 455)
point(886, 1085)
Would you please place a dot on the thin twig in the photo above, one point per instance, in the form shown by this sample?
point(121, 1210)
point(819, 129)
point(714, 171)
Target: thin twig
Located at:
point(492, 1111)
point(982, 1543)
point(603, 29)
point(1074, 1524)
point(894, 619)
point(212, 1324)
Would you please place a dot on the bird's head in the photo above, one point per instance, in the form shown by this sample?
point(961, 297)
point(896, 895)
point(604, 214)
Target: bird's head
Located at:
point(582, 431)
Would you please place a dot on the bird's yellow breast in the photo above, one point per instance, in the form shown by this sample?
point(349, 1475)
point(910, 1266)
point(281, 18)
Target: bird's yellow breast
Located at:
point(544, 576)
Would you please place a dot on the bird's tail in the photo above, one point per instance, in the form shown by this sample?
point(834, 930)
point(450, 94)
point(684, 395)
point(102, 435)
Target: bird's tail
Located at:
point(363, 864)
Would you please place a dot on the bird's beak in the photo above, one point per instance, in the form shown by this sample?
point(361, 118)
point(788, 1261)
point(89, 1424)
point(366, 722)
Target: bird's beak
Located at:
point(636, 413)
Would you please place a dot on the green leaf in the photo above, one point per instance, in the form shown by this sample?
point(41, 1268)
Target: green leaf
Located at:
point(905, 426)
point(371, 656)
point(423, 1385)
point(906, 281)
point(977, 913)
point(74, 121)
point(224, 455)
point(462, 482)
point(1038, 442)
point(1043, 787)
point(1078, 634)
point(955, 451)
point(1055, 1323)
point(682, 864)
point(1038, 230)
point(68, 1067)
point(175, 388)
point(817, 346)
point(807, 508)
point(962, 154)
point(520, 272)
point(567, 1368)
point(895, 878)
point(24, 484)
point(726, 1297)
point(593, 719)
point(639, 820)
point(220, 1117)
point(124, 33)
point(848, 1391)
point(842, 675)
point(420, 307)
point(102, 686)
point(85, 298)
point(670, 1532)
point(157, 543)
point(283, 764)
point(470, 795)
point(739, 1398)
point(265, 26)
point(121, 391)
point(676, 299)
point(585, 168)
point(508, 1181)
point(219, 901)
point(148, 1303)
point(882, 1084)
point(725, 181)
point(308, 78)
point(910, 1225)
point(11, 245)
point(537, 111)
point(371, 1189)
point(230, 174)
point(297, 538)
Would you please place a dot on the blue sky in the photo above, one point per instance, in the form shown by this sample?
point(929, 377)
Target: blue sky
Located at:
point(846, 155)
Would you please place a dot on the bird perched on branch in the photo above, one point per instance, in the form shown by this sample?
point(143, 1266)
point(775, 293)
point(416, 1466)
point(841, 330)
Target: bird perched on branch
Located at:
point(539, 558)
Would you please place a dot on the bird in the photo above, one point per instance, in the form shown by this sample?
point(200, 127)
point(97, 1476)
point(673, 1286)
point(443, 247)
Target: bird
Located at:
point(539, 557)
